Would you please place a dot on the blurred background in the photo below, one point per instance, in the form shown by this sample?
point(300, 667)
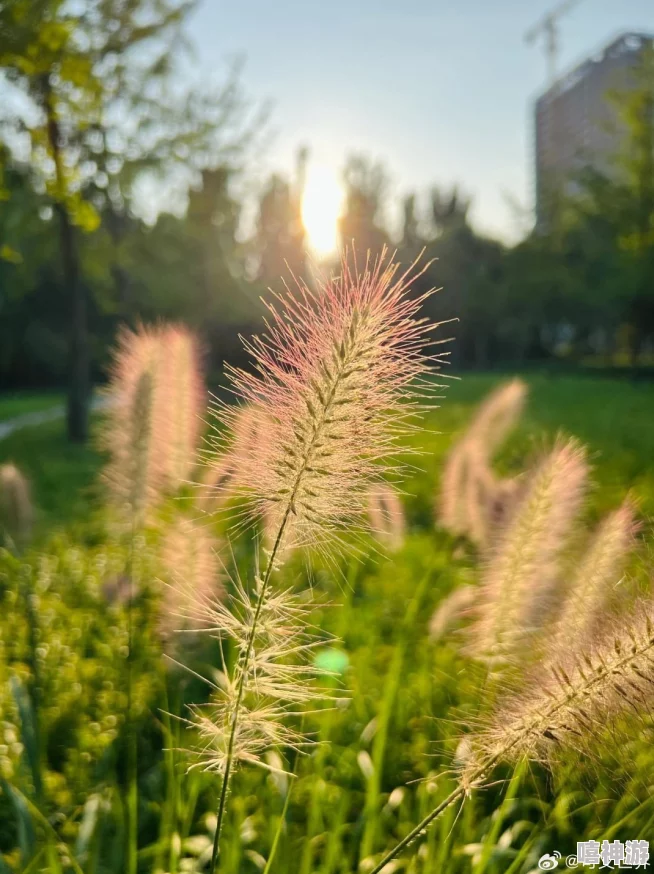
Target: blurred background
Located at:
point(165, 162)
point(171, 160)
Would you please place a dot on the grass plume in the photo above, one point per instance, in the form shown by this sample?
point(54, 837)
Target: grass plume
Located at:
point(16, 510)
point(575, 700)
point(386, 516)
point(191, 571)
point(524, 560)
point(593, 580)
point(336, 379)
point(470, 492)
point(267, 687)
point(578, 696)
point(153, 417)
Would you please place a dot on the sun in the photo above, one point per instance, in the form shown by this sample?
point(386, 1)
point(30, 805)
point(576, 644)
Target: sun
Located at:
point(322, 202)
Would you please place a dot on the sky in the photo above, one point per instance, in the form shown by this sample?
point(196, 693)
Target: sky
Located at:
point(440, 90)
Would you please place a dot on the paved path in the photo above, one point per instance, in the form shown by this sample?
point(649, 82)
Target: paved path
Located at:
point(40, 417)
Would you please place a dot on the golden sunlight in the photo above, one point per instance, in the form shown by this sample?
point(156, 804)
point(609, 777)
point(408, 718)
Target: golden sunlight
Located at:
point(322, 201)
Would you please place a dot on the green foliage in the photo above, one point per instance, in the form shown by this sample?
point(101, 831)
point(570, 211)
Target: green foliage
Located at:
point(25, 403)
point(63, 477)
point(107, 114)
point(399, 722)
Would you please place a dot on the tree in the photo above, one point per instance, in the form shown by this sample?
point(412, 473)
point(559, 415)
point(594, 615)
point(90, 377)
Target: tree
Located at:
point(362, 225)
point(280, 238)
point(636, 160)
point(105, 110)
point(42, 57)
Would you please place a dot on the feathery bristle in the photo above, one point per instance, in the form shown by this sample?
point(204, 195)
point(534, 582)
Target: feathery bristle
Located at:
point(227, 473)
point(577, 697)
point(522, 565)
point(188, 551)
point(451, 509)
point(336, 380)
point(593, 580)
point(498, 415)
point(16, 511)
point(131, 475)
point(179, 404)
point(386, 516)
point(469, 489)
point(450, 609)
point(153, 416)
point(275, 678)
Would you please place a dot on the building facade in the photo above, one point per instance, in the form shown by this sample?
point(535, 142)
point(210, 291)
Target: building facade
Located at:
point(576, 120)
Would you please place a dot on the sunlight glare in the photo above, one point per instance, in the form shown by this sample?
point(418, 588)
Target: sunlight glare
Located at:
point(321, 208)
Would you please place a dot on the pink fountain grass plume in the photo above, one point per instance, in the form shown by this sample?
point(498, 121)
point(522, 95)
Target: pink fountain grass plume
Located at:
point(191, 571)
point(180, 402)
point(337, 376)
point(576, 700)
point(518, 575)
point(593, 582)
point(153, 418)
point(16, 509)
point(227, 472)
point(338, 379)
point(498, 415)
point(468, 486)
point(386, 516)
point(451, 508)
point(132, 475)
point(478, 491)
point(265, 690)
point(578, 695)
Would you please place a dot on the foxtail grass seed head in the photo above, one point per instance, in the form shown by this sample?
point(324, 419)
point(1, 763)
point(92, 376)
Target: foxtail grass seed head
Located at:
point(578, 697)
point(524, 560)
point(153, 416)
point(451, 509)
point(191, 571)
point(16, 510)
point(451, 609)
point(180, 404)
point(479, 488)
point(469, 488)
point(593, 581)
point(337, 381)
point(227, 473)
point(337, 377)
point(386, 516)
point(276, 678)
point(498, 415)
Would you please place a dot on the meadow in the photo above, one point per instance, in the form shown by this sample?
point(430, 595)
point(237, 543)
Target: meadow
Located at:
point(402, 695)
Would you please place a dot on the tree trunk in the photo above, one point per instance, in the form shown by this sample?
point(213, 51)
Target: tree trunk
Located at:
point(77, 414)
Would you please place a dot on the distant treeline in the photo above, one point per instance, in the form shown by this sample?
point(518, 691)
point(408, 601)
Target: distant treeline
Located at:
point(75, 260)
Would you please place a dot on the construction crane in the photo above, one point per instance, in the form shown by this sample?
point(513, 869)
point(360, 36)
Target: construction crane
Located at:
point(548, 26)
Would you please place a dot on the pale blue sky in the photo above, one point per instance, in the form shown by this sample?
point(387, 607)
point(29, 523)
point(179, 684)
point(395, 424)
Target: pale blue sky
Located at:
point(440, 91)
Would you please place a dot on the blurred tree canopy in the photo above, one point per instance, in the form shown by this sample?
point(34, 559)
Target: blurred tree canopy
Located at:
point(99, 107)
point(122, 198)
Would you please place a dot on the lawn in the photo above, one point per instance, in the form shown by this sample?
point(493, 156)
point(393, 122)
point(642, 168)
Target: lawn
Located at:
point(62, 475)
point(613, 417)
point(403, 699)
point(21, 403)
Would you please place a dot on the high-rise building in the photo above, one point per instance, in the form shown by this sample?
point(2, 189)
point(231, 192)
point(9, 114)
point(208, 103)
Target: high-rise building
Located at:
point(576, 120)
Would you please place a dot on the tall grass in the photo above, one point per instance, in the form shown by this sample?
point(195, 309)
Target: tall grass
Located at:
point(334, 380)
point(119, 760)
